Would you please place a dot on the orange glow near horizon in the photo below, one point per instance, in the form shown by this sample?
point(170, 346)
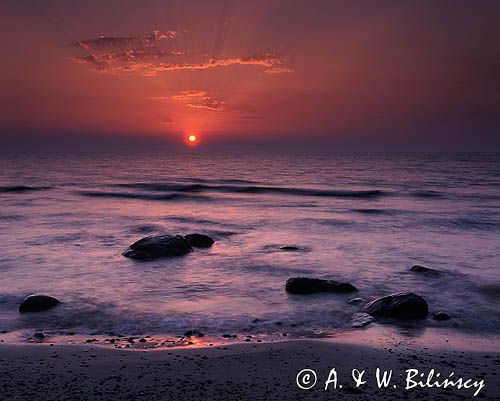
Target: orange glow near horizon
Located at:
point(192, 138)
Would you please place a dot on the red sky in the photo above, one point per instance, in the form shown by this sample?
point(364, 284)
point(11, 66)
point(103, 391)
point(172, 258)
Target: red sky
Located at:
point(332, 74)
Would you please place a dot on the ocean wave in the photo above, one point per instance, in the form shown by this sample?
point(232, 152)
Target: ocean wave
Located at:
point(21, 188)
point(467, 223)
point(370, 211)
point(370, 193)
point(165, 197)
point(429, 194)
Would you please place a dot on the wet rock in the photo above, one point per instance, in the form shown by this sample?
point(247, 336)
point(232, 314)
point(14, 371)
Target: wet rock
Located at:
point(424, 270)
point(193, 333)
point(199, 240)
point(440, 316)
point(306, 285)
point(39, 335)
point(401, 305)
point(356, 301)
point(160, 246)
point(361, 319)
point(38, 303)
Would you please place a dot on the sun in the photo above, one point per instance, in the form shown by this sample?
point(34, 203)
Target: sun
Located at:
point(192, 138)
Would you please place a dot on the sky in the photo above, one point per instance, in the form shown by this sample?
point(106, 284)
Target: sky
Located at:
point(327, 75)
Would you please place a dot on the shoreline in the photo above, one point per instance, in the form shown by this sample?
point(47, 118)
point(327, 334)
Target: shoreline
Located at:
point(376, 335)
point(251, 371)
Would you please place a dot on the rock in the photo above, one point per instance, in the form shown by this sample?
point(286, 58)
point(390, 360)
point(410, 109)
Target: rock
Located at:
point(356, 301)
point(193, 333)
point(306, 285)
point(38, 303)
point(160, 246)
point(361, 319)
point(425, 270)
point(38, 335)
point(440, 316)
point(199, 240)
point(403, 305)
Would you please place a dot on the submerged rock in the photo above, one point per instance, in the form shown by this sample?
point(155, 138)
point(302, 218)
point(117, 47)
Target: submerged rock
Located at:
point(402, 305)
point(38, 303)
point(290, 248)
point(199, 240)
point(361, 319)
point(160, 246)
point(440, 316)
point(423, 269)
point(306, 285)
point(356, 301)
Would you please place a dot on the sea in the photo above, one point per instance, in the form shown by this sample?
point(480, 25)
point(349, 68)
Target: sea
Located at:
point(362, 218)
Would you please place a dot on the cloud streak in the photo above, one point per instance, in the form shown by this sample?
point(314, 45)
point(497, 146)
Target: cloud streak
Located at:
point(153, 53)
point(200, 100)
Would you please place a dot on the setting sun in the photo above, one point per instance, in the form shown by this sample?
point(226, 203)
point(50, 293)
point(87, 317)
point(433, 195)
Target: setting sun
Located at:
point(192, 138)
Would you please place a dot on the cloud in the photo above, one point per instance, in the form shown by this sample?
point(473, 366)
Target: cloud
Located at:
point(189, 95)
point(156, 52)
point(200, 100)
point(209, 103)
point(106, 43)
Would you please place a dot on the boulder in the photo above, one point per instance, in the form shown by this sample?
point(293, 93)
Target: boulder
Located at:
point(193, 333)
point(306, 285)
point(160, 246)
point(425, 270)
point(199, 240)
point(401, 305)
point(39, 335)
point(38, 303)
point(440, 316)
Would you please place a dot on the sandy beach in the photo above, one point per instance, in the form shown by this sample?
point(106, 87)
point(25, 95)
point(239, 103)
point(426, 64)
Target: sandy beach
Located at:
point(263, 371)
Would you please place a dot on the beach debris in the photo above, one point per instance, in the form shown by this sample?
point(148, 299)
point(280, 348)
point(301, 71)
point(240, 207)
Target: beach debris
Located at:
point(440, 316)
point(199, 240)
point(425, 270)
point(160, 246)
point(402, 305)
point(361, 319)
point(38, 303)
point(306, 285)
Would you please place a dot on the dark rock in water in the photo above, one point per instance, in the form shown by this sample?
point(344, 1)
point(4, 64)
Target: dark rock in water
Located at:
point(193, 333)
point(441, 316)
point(160, 246)
point(402, 305)
point(38, 303)
point(199, 240)
point(306, 285)
point(38, 335)
point(423, 269)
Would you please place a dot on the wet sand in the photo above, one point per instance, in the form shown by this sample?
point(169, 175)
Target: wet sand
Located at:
point(253, 371)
